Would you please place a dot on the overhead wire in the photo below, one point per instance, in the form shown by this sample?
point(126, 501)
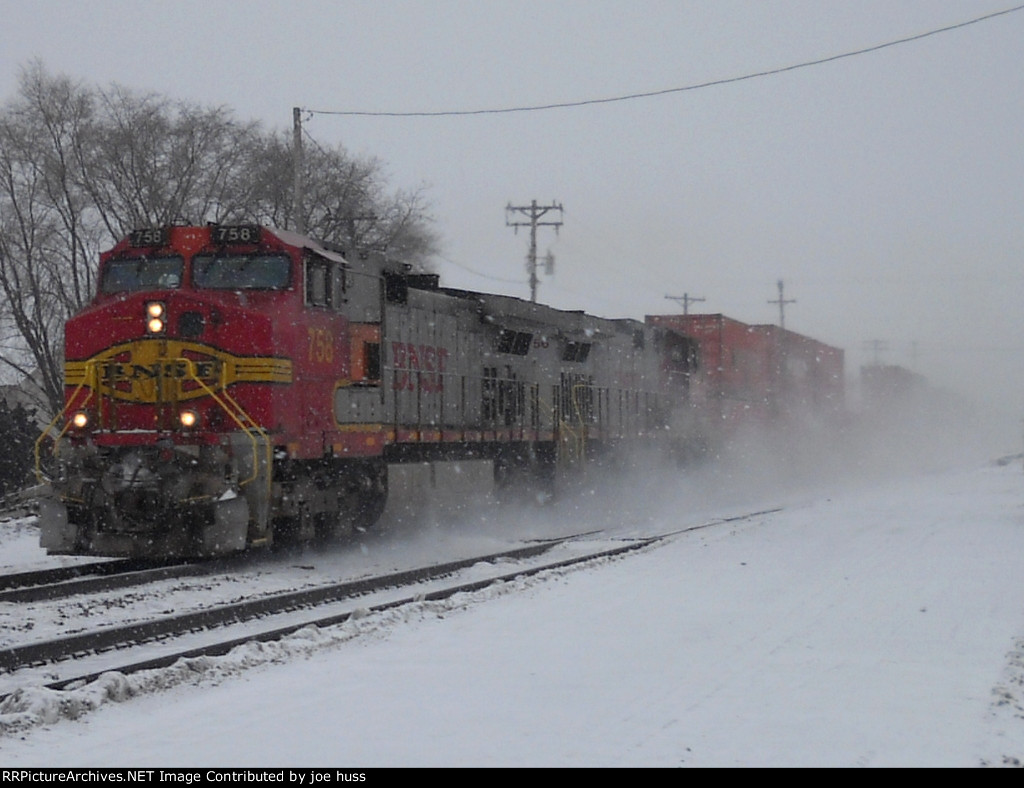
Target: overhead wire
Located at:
point(479, 273)
point(651, 94)
point(666, 91)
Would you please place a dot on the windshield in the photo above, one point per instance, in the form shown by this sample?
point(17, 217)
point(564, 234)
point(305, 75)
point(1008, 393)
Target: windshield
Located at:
point(241, 271)
point(142, 273)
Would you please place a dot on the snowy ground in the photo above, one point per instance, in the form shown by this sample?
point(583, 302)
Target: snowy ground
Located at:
point(875, 624)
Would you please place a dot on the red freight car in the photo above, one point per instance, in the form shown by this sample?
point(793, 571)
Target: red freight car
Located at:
point(807, 374)
point(757, 376)
point(735, 375)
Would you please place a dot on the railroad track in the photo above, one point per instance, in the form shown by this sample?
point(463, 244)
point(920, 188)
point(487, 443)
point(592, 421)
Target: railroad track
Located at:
point(96, 577)
point(40, 577)
point(76, 646)
point(168, 628)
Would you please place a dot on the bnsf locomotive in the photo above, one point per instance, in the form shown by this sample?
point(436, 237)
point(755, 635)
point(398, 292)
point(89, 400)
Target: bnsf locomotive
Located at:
point(231, 386)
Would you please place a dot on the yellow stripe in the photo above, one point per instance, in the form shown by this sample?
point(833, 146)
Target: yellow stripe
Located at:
point(130, 371)
point(360, 427)
point(261, 370)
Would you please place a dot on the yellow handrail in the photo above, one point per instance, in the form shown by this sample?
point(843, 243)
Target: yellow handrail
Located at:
point(239, 416)
point(573, 447)
point(40, 476)
point(226, 402)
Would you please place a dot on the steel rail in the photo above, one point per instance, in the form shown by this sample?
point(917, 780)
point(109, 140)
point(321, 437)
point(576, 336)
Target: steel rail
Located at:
point(67, 648)
point(223, 647)
point(52, 584)
point(59, 649)
point(41, 577)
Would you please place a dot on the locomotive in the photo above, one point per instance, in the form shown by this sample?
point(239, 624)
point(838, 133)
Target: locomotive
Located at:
point(230, 387)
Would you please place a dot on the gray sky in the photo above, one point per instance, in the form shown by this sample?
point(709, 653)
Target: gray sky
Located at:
point(886, 189)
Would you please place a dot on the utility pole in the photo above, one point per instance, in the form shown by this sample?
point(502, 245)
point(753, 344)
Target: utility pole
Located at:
point(781, 301)
point(534, 213)
point(877, 346)
point(298, 185)
point(685, 299)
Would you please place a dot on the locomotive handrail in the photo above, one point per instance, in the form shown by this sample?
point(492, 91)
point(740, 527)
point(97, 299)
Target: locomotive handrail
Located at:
point(224, 402)
point(90, 371)
point(576, 441)
point(581, 436)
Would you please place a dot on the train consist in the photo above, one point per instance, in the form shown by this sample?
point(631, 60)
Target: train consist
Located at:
point(233, 386)
point(760, 376)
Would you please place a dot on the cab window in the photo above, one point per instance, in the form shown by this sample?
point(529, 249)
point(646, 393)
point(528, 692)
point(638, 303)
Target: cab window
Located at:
point(325, 282)
point(241, 271)
point(318, 291)
point(142, 273)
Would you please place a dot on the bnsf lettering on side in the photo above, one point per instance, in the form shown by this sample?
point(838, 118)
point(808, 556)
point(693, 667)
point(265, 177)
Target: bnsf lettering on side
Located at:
point(421, 366)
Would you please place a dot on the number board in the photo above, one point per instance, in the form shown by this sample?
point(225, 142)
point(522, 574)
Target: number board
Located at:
point(150, 236)
point(235, 234)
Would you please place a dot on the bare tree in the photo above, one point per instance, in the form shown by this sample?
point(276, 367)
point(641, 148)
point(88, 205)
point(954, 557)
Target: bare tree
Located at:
point(81, 167)
point(47, 233)
point(162, 163)
point(345, 200)
point(402, 230)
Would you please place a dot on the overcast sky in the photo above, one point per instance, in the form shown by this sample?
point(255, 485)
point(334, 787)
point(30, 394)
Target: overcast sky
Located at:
point(886, 189)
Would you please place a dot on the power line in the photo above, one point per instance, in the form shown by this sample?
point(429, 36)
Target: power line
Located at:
point(698, 86)
point(480, 273)
point(308, 136)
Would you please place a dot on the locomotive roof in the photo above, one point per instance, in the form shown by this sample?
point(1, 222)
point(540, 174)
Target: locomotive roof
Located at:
point(512, 309)
point(330, 251)
point(509, 310)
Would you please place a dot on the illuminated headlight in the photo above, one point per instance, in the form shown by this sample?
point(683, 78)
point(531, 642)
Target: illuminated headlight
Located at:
point(188, 419)
point(155, 317)
point(80, 420)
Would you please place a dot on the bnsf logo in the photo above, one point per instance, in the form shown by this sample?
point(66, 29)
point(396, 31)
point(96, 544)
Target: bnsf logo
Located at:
point(150, 371)
point(418, 366)
point(114, 372)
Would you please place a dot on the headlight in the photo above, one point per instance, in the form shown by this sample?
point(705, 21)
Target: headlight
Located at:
point(80, 420)
point(189, 419)
point(155, 317)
